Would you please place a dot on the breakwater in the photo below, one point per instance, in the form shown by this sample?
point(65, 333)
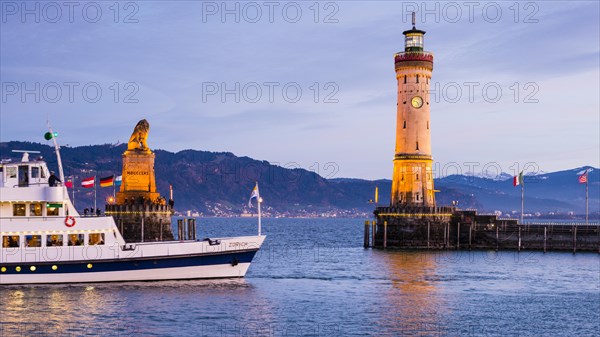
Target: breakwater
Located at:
point(450, 228)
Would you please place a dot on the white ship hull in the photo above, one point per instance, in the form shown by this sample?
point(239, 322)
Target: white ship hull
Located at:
point(184, 273)
point(223, 258)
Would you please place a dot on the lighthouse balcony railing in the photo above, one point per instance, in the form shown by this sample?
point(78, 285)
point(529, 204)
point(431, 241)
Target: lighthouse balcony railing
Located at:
point(414, 56)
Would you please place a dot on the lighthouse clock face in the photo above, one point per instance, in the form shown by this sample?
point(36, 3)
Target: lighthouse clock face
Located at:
point(417, 102)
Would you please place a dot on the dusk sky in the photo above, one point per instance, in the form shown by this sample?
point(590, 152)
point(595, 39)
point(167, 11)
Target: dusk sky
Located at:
point(169, 62)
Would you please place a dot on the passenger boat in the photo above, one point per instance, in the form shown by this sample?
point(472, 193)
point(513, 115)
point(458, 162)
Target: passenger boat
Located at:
point(45, 240)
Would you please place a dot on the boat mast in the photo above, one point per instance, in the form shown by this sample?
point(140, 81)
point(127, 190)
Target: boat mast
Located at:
point(57, 150)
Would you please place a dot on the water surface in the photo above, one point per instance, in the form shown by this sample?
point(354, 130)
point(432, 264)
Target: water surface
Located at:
point(313, 278)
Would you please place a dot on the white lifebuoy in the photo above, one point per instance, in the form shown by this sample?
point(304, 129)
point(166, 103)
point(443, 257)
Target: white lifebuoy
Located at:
point(70, 221)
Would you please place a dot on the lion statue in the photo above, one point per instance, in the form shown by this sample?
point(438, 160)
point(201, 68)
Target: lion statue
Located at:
point(139, 137)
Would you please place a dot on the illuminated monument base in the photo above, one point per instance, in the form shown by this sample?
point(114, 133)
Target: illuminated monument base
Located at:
point(138, 177)
point(140, 211)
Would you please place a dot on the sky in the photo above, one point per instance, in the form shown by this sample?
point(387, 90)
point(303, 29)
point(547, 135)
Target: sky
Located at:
point(308, 84)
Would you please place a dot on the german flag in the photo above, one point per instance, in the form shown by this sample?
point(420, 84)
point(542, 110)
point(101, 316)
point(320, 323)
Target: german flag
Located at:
point(107, 181)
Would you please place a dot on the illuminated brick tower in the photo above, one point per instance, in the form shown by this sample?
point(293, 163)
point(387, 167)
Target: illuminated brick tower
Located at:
point(413, 220)
point(412, 182)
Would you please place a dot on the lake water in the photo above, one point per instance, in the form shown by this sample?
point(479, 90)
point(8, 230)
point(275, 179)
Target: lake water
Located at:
point(313, 278)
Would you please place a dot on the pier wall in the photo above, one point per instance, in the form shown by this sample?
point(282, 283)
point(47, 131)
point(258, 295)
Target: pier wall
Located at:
point(449, 228)
point(151, 219)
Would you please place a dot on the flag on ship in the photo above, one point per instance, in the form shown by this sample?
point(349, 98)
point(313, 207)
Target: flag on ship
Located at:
point(107, 181)
point(254, 194)
point(118, 180)
point(69, 183)
point(518, 180)
point(88, 182)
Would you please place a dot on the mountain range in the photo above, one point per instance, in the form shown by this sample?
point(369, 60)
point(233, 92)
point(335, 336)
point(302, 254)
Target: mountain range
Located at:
point(219, 183)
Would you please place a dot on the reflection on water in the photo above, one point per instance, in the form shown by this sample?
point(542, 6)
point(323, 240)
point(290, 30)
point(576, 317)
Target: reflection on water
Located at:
point(204, 307)
point(413, 298)
point(54, 310)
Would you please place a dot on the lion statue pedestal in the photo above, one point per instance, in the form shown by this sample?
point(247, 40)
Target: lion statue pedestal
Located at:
point(139, 207)
point(138, 177)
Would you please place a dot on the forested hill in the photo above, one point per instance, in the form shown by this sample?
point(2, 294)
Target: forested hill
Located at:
point(219, 183)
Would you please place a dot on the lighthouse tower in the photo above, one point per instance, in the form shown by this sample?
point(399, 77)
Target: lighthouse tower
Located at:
point(412, 182)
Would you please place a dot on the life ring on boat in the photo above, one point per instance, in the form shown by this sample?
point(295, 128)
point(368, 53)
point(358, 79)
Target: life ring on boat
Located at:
point(70, 221)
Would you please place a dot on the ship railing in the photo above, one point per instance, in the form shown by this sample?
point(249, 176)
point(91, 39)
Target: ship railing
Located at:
point(36, 184)
point(48, 218)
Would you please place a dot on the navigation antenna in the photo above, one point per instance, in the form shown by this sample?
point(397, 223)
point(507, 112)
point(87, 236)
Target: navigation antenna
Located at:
point(52, 136)
point(25, 153)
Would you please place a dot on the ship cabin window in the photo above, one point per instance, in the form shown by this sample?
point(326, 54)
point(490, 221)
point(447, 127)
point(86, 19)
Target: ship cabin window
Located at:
point(33, 240)
point(35, 172)
point(52, 211)
point(54, 240)
point(18, 209)
point(96, 239)
point(75, 239)
point(23, 175)
point(10, 241)
point(35, 209)
point(11, 172)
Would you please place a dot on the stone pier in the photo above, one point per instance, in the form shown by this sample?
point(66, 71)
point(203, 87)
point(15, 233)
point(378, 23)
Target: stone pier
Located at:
point(153, 220)
point(450, 228)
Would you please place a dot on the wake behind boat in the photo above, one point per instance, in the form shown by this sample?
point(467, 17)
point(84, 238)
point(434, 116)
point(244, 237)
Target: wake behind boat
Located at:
point(45, 240)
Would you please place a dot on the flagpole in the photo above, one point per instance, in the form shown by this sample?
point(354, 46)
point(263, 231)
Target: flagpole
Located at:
point(522, 201)
point(259, 216)
point(94, 193)
point(586, 201)
point(73, 187)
